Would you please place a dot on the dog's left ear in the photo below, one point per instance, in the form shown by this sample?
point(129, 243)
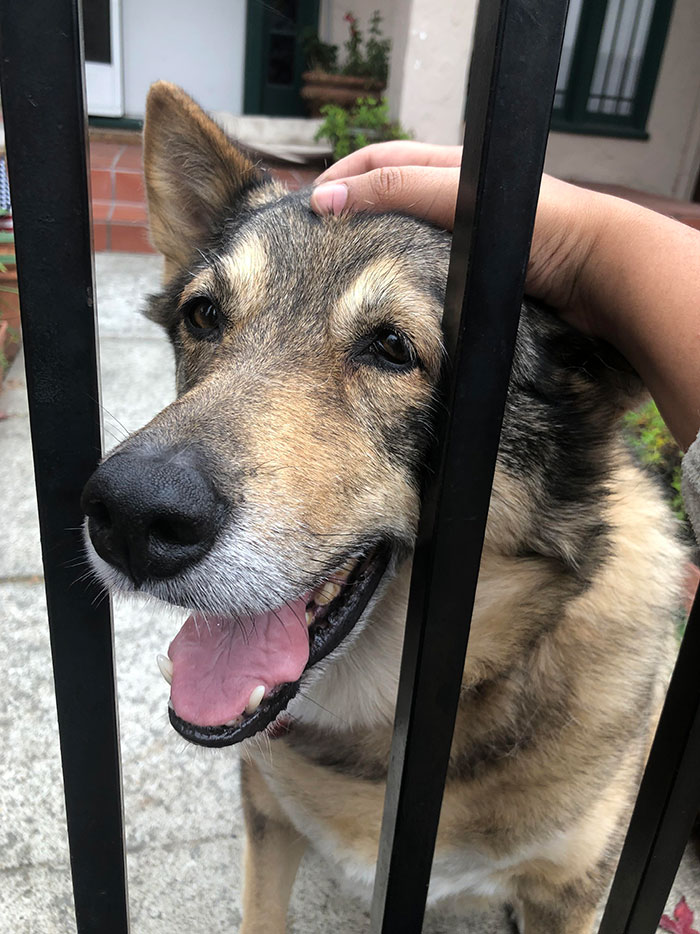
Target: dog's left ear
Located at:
point(195, 176)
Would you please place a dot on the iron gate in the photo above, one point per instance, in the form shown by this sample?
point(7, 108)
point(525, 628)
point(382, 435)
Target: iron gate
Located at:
point(512, 79)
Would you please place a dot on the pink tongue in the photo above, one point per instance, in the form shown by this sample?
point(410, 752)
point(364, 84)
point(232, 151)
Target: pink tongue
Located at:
point(218, 662)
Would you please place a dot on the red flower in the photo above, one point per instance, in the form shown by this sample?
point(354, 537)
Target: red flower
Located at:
point(683, 922)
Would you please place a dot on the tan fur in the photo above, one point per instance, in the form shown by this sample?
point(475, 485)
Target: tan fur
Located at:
point(544, 763)
point(498, 815)
point(386, 287)
point(172, 159)
point(248, 272)
point(274, 847)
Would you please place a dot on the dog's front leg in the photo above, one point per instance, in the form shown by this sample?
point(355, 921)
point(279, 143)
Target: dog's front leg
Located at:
point(565, 913)
point(273, 851)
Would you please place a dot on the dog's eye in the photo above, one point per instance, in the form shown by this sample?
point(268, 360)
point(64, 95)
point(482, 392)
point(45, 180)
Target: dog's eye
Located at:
point(394, 348)
point(203, 318)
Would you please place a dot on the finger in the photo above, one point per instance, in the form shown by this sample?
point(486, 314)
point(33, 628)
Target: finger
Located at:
point(397, 152)
point(428, 193)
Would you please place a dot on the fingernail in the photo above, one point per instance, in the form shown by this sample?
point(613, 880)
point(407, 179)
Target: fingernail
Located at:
point(329, 199)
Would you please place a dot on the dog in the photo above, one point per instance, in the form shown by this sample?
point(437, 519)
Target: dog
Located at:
point(278, 498)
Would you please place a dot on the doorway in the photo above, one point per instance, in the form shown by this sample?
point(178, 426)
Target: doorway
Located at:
point(274, 59)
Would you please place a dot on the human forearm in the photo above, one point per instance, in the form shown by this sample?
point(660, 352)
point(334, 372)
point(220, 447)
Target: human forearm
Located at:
point(639, 289)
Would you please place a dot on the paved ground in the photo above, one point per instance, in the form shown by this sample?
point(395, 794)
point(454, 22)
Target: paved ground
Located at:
point(182, 811)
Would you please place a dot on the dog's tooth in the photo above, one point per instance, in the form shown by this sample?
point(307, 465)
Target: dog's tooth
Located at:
point(327, 592)
point(166, 667)
point(345, 571)
point(309, 617)
point(255, 699)
point(234, 722)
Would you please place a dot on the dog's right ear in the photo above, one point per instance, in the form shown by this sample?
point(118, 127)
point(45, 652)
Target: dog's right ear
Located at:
point(195, 175)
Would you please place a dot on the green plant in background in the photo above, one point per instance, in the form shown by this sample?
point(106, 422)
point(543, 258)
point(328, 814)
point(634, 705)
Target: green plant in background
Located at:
point(655, 447)
point(319, 56)
point(354, 63)
point(6, 236)
point(350, 129)
point(368, 59)
point(377, 51)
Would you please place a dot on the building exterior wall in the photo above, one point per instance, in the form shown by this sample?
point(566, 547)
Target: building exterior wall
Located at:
point(200, 46)
point(203, 49)
point(434, 69)
point(668, 162)
point(431, 45)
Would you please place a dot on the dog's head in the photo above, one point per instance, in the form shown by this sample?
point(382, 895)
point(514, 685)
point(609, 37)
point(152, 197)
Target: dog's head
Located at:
point(273, 495)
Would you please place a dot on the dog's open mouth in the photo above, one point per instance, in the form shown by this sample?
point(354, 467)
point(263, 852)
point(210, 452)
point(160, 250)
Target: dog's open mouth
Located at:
point(231, 678)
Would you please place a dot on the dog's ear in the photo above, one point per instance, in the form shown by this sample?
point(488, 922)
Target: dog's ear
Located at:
point(195, 175)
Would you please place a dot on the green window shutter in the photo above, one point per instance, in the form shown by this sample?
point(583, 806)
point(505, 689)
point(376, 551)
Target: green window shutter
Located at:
point(610, 63)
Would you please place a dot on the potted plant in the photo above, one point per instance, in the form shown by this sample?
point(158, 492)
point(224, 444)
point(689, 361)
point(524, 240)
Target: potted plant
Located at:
point(348, 129)
point(9, 298)
point(364, 73)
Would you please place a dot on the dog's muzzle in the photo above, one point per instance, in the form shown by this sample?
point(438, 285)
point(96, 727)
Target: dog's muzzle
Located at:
point(152, 513)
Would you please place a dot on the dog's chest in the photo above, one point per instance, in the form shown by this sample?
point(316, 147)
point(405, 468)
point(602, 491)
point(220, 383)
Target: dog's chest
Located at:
point(341, 816)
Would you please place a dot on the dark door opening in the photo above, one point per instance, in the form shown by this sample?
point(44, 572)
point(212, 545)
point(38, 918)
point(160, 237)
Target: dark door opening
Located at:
point(274, 60)
point(97, 32)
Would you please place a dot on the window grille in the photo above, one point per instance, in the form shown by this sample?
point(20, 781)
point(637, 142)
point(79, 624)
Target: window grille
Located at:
point(609, 66)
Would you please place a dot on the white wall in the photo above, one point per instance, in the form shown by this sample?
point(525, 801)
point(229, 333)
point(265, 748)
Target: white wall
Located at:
point(668, 162)
point(436, 57)
point(198, 45)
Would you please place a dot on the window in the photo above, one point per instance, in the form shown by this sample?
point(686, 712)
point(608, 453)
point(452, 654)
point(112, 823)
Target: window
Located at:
point(609, 65)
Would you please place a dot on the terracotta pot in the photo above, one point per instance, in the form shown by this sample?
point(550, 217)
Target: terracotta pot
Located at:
point(9, 313)
point(321, 88)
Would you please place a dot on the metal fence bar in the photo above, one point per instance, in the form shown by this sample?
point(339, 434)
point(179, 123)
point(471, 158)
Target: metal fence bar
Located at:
point(512, 80)
point(46, 137)
point(667, 804)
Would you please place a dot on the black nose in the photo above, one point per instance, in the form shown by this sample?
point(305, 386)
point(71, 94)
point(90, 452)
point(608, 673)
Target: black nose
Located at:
point(152, 513)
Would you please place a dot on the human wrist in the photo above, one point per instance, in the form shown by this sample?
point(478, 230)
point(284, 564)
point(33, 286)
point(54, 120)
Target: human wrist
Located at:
point(573, 262)
point(606, 276)
point(567, 227)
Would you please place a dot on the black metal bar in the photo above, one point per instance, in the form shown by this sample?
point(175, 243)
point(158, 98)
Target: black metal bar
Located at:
point(513, 73)
point(43, 103)
point(667, 804)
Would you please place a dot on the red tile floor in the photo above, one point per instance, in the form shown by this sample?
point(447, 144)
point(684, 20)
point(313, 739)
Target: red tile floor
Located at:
point(119, 211)
point(120, 221)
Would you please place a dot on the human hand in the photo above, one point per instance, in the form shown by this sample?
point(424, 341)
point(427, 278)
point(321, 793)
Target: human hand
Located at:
point(415, 178)
point(422, 180)
point(609, 267)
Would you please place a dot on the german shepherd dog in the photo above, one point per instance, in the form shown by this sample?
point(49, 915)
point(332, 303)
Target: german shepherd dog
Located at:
point(277, 498)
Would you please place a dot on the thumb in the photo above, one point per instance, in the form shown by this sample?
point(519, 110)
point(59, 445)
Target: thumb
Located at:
point(425, 192)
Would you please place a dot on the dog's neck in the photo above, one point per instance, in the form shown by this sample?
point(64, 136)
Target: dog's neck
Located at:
point(357, 690)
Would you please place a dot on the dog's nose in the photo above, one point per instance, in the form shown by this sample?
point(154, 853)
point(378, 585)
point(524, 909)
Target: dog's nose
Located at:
point(151, 513)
